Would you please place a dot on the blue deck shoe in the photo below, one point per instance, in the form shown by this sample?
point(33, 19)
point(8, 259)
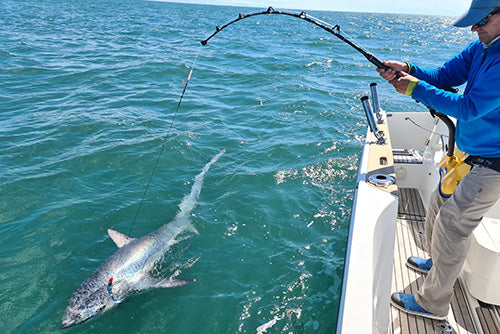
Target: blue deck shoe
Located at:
point(407, 303)
point(418, 264)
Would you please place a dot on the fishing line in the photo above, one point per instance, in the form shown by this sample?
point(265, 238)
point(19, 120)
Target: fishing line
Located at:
point(333, 29)
point(165, 138)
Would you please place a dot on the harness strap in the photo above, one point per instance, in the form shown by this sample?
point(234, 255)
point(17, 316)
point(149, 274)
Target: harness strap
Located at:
point(493, 163)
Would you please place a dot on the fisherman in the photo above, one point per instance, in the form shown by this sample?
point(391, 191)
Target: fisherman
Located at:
point(450, 222)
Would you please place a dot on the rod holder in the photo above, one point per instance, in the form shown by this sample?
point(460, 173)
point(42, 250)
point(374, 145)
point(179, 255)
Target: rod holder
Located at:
point(365, 100)
point(376, 102)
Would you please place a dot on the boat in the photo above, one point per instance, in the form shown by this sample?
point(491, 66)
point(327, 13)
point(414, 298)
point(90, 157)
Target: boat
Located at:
point(398, 170)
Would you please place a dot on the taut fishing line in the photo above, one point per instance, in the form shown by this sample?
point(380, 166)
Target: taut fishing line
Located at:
point(333, 29)
point(165, 138)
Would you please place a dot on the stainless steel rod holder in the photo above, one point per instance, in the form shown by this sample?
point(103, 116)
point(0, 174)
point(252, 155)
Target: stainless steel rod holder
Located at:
point(376, 102)
point(371, 120)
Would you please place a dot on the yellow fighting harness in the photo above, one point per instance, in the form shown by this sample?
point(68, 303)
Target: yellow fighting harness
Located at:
point(452, 167)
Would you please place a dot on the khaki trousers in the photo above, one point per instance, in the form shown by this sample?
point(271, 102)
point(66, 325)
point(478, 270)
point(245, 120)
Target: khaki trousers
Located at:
point(448, 228)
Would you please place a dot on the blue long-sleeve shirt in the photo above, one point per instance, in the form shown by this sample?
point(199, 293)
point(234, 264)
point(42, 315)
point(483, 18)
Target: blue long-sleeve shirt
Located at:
point(478, 110)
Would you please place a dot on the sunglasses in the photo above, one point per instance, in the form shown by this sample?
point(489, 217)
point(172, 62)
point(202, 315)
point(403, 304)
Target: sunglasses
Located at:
point(487, 18)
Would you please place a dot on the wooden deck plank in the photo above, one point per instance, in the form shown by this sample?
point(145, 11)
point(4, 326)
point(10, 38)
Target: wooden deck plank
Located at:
point(483, 318)
point(415, 279)
point(461, 310)
point(411, 281)
point(488, 321)
point(410, 241)
point(406, 157)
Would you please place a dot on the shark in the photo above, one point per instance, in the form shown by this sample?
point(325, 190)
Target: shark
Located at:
point(130, 269)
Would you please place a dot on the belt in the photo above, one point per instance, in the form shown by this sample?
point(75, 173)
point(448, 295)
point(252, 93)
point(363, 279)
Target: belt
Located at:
point(493, 163)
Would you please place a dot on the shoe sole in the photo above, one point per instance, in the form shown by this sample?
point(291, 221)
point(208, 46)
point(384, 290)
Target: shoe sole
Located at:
point(417, 269)
point(419, 314)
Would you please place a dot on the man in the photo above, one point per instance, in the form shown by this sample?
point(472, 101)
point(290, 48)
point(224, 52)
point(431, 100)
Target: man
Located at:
point(451, 222)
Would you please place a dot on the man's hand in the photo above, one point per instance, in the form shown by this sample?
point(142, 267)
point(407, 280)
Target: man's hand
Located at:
point(398, 66)
point(397, 75)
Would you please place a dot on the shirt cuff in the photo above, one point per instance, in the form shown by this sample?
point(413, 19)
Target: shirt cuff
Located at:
point(411, 86)
point(410, 67)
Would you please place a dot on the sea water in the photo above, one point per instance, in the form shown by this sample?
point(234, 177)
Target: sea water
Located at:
point(88, 104)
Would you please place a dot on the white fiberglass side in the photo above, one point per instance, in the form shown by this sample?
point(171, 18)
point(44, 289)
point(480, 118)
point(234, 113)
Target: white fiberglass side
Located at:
point(369, 259)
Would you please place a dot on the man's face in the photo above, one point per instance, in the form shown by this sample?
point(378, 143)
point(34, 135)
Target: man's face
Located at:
point(487, 32)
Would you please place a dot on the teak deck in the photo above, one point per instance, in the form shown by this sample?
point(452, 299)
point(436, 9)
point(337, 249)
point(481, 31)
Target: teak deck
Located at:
point(410, 241)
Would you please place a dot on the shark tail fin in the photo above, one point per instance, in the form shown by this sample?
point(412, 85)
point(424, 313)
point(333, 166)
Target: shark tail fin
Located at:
point(189, 201)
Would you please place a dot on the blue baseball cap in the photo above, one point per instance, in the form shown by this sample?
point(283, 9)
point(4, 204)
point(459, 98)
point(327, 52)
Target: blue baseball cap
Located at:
point(477, 11)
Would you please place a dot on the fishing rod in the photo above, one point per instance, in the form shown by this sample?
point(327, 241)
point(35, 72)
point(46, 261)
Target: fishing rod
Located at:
point(332, 29)
point(452, 166)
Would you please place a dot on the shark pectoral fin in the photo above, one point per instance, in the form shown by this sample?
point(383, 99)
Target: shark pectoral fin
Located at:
point(119, 239)
point(171, 282)
point(193, 229)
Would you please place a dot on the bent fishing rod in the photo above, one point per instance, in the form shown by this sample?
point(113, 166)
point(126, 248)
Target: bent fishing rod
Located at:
point(332, 29)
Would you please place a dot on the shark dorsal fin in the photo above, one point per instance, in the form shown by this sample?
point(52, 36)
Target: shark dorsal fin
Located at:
point(119, 239)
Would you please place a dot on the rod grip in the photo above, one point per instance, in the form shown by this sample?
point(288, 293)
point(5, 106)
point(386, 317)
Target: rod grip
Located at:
point(377, 62)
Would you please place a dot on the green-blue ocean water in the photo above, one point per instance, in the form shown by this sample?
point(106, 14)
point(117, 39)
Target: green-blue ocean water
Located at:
point(88, 94)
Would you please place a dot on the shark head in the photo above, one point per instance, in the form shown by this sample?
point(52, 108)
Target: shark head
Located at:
point(91, 298)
